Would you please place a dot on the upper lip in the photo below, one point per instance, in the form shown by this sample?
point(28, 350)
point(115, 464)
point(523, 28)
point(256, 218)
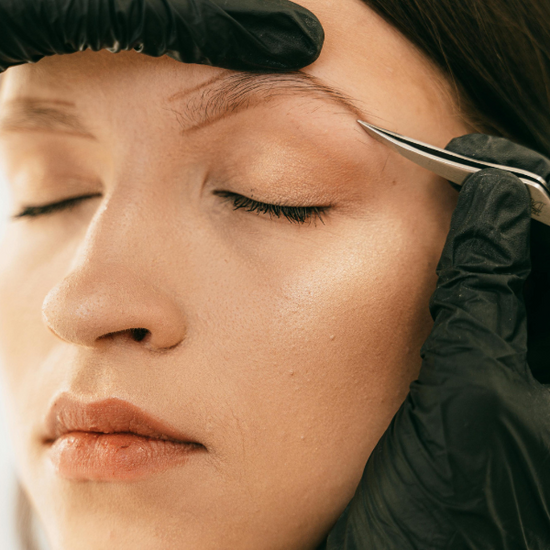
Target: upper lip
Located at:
point(108, 416)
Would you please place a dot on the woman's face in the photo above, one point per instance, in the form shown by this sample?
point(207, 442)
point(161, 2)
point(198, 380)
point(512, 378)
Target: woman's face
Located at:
point(282, 348)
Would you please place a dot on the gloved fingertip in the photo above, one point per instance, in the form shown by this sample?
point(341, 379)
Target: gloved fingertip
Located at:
point(286, 39)
point(310, 42)
point(497, 194)
point(470, 145)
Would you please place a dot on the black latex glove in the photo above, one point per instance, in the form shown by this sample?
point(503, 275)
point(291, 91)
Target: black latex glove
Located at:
point(268, 35)
point(537, 291)
point(465, 463)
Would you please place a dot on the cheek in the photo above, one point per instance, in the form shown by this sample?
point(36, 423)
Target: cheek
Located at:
point(320, 344)
point(29, 269)
point(29, 353)
point(300, 348)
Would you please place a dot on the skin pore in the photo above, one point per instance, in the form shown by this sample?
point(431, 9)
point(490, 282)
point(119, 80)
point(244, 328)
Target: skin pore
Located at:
point(284, 348)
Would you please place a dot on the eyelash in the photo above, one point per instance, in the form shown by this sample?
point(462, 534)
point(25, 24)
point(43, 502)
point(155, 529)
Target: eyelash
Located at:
point(67, 204)
point(294, 214)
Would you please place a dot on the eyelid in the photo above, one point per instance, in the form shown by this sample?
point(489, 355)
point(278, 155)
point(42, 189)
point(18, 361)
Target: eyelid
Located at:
point(50, 208)
point(294, 214)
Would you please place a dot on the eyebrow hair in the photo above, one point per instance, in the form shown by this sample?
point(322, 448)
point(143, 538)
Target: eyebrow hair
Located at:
point(27, 113)
point(228, 95)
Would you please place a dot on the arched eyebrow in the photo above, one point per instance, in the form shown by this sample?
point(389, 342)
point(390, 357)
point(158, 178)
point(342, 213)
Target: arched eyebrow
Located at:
point(232, 93)
point(194, 108)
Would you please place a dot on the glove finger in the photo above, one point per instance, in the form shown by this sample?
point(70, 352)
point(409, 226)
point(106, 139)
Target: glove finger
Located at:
point(275, 35)
point(232, 34)
point(537, 295)
point(478, 306)
point(500, 151)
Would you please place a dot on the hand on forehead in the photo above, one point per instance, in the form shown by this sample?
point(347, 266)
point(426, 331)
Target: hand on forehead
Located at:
point(236, 34)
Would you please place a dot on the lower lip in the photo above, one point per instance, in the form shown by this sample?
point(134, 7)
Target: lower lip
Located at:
point(85, 456)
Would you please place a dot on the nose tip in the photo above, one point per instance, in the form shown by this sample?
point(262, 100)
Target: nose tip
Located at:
point(91, 306)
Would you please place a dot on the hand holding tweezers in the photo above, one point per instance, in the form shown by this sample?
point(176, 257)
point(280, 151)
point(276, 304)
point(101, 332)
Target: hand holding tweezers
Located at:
point(456, 168)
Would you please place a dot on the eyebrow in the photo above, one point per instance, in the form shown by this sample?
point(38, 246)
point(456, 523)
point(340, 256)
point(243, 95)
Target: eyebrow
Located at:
point(54, 115)
point(227, 95)
point(223, 96)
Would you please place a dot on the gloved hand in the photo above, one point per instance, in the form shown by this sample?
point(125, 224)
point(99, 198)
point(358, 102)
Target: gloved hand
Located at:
point(465, 463)
point(537, 290)
point(233, 34)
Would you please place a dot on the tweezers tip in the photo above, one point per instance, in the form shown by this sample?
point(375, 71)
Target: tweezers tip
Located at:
point(368, 127)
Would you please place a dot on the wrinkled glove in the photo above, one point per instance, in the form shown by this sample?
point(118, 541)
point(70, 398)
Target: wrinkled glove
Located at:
point(273, 35)
point(465, 462)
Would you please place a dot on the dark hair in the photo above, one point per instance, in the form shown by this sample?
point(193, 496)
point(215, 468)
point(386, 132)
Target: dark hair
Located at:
point(496, 52)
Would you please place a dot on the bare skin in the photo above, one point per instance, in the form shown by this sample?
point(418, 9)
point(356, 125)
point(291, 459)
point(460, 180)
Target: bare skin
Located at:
point(284, 348)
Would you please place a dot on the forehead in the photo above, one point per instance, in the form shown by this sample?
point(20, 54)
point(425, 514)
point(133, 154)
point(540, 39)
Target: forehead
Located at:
point(364, 57)
point(401, 89)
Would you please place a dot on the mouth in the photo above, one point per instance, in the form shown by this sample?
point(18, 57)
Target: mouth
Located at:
point(112, 440)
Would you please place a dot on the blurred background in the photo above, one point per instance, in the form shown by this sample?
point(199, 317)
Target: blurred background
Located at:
point(8, 484)
point(7, 476)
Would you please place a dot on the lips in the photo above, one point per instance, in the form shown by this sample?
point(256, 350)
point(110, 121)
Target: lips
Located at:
point(112, 440)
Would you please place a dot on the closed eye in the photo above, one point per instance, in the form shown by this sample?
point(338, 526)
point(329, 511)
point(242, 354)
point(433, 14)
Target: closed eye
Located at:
point(294, 214)
point(45, 209)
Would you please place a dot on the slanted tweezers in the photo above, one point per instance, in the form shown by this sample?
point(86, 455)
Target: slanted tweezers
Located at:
point(456, 168)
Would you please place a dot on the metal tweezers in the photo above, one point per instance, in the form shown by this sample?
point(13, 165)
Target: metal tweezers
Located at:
point(456, 168)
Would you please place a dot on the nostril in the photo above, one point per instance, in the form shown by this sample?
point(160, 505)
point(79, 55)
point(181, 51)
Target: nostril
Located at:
point(138, 334)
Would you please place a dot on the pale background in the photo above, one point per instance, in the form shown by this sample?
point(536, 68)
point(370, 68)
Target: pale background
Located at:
point(7, 475)
point(7, 481)
point(8, 540)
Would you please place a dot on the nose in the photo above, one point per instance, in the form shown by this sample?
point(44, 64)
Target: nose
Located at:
point(109, 301)
point(112, 293)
